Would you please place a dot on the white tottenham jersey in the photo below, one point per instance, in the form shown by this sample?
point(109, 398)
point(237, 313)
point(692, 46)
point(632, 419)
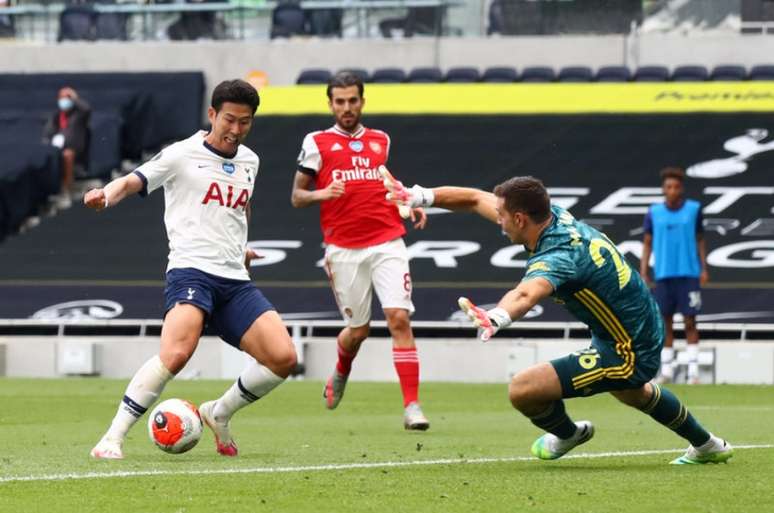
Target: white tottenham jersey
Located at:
point(205, 196)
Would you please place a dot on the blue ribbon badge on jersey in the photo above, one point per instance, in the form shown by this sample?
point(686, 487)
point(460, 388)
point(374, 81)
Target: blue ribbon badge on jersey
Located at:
point(229, 168)
point(356, 146)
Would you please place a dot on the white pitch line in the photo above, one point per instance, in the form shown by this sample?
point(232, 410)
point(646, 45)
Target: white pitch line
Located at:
point(339, 466)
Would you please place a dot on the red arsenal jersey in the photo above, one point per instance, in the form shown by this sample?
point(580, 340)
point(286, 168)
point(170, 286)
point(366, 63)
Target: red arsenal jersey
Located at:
point(362, 216)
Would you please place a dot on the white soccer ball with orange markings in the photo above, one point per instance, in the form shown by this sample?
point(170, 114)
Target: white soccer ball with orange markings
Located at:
point(175, 426)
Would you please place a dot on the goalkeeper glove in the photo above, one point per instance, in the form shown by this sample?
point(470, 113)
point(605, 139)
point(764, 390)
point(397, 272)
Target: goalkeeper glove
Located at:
point(415, 197)
point(488, 322)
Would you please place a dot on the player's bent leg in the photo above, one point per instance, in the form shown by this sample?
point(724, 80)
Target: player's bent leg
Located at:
point(537, 393)
point(665, 408)
point(180, 334)
point(347, 345)
point(179, 338)
point(406, 361)
point(274, 357)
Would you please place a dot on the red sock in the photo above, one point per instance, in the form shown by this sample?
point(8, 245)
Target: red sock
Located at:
point(407, 367)
point(344, 365)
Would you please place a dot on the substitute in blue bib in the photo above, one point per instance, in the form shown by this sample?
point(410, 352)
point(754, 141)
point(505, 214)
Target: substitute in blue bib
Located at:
point(674, 236)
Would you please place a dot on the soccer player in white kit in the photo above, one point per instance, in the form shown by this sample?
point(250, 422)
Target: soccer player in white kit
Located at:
point(208, 181)
point(338, 169)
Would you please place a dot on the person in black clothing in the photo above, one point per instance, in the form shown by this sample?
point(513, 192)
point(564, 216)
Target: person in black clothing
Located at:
point(68, 130)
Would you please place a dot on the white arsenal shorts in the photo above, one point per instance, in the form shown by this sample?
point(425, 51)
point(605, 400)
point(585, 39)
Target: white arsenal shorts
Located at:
point(355, 273)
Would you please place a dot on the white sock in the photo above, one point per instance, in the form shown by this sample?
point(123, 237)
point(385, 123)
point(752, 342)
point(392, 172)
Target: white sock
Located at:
point(667, 357)
point(255, 382)
point(142, 391)
point(692, 350)
point(712, 443)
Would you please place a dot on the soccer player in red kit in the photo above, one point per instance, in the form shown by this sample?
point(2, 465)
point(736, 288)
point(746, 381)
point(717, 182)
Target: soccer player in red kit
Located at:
point(338, 169)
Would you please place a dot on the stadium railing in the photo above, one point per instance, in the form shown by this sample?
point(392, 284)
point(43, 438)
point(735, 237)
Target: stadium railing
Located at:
point(49, 13)
point(307, 328)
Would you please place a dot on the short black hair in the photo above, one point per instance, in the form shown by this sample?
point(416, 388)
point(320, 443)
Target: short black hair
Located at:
point(672, 172)
point(525, 194)
point(344, 79)
point(235, 91)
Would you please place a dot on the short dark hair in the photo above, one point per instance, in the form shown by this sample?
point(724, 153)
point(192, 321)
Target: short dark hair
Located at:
point(235, 91)
point(672, 172)
point(344, 79)
point(525, 194)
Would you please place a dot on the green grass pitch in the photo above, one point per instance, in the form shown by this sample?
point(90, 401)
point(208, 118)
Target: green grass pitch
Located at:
point(295, 456)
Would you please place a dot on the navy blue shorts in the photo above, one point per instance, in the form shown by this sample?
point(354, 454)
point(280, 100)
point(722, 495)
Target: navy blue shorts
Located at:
point(678, 295)
point(231, 305)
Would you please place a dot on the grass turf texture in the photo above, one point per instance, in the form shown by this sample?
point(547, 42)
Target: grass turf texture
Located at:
point(48, 426)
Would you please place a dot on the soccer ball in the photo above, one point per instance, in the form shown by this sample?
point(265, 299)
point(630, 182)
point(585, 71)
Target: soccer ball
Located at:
point(175, 426)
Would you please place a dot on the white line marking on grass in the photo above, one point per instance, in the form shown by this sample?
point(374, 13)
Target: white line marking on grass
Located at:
point(339, 466)
point(734, 408)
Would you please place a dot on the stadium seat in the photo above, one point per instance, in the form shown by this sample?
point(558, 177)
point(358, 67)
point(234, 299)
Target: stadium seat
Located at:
point(500, 74)
point(388, 76)
point(613, 74)
point(651, 74)
point(287, 19)
point(324, 22)
point(538, 74)
point(425, 75)
point(462, 75)
point(361, 73)
point(314, 76)
point(111, 25)
point(728, 73)
point(575, 74)
point(762, 72)
point(76, 23)
point(690, 73)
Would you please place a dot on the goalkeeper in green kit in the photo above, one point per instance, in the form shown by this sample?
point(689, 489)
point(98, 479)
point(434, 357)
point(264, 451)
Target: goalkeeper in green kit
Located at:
point(580, 268)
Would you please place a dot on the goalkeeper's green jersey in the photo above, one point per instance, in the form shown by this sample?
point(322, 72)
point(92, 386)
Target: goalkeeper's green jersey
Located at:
point(593, 280)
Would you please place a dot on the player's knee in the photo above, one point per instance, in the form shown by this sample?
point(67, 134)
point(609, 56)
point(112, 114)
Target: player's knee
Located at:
point(175, 359)
point(397, 320)
point(359, 334)
point(689, 322)
point(284, 361)
point(519, 391)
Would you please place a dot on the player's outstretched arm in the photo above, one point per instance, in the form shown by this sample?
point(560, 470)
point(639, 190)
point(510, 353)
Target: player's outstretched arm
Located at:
point(453, 198)
point(113, 193)
point(514, 305)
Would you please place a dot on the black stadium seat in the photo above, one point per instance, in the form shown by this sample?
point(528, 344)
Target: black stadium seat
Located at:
point(500, 74)
point(462, 75)
point(762, 72)
point(613, 74)
point(361, 73)
point(76, 23)
point(425, 75)
point(728, 72)
point(314, 76)
point(538, 74)
point(651, 74)
point(690, 73)
point(575, 74)
point(111, 25)
point(288, 19)
point(388, 76)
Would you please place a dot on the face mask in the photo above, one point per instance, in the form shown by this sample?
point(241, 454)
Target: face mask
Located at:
point(65, 103)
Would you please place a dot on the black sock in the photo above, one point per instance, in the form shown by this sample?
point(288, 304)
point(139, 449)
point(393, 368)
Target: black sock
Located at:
point(555, 421)
point(667, 409)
